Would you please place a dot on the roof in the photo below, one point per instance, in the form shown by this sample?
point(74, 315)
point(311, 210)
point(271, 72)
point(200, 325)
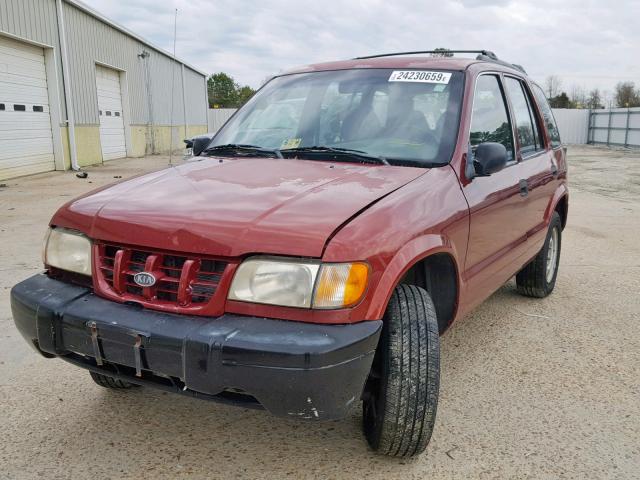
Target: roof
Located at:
point(95, 14)
point(404, 62)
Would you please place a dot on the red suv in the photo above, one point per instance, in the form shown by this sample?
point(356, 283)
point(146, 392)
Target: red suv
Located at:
point(309, 255)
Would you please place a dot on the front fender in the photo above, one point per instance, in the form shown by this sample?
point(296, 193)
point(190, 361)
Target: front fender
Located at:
point(427, 216)
point(410, 254)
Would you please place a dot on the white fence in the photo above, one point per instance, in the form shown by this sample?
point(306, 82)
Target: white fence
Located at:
point(217, 117)
point(617, 126)
point(573, 125)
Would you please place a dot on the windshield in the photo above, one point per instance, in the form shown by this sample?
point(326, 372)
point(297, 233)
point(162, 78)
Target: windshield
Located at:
point(407, 117)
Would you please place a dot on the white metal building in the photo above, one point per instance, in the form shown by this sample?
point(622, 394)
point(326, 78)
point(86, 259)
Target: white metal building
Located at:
point(77, 89)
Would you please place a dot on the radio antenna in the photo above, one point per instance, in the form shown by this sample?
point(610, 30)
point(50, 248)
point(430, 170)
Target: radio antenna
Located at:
point(173, 80)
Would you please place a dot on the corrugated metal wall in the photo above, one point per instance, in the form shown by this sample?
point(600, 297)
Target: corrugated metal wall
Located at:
point(196, 95)
point(91, 41)
point(573, 125)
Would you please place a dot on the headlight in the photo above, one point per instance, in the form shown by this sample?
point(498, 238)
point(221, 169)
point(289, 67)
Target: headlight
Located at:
point(304, 284)
point(67, 250)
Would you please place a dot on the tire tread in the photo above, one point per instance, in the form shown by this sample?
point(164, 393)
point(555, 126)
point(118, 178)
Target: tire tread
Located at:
point(531, 281)
point(413, 380)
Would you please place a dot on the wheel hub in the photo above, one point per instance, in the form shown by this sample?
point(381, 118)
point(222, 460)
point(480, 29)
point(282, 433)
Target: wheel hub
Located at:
point(552, 255)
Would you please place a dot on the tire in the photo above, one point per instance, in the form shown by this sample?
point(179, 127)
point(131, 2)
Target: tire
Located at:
point(538, 278)
point(401, 395)
point(110, 382)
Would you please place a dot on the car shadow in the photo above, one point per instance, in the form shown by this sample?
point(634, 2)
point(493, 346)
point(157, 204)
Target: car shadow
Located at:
point(144, 430)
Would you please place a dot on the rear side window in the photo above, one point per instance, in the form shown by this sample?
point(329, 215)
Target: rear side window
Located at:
point(526, 124)
point(489, 119)
point(547, 114)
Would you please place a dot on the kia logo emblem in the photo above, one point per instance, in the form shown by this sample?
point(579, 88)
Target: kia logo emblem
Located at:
point(144, 279)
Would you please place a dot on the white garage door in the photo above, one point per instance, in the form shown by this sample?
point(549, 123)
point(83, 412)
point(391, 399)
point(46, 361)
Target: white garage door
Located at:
point(110, 112)
point(26, 144)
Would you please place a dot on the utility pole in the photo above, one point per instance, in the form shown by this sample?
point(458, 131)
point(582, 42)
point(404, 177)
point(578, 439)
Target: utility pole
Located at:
point(173, 81)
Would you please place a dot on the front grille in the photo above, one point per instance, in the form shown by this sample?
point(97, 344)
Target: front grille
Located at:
point(181, 280)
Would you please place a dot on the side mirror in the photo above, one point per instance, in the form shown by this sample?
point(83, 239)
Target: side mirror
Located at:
point(489, 157)
point(199, 143)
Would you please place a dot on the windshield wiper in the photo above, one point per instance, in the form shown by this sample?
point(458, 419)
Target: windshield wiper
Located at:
point(350, 152)
point(239, 147)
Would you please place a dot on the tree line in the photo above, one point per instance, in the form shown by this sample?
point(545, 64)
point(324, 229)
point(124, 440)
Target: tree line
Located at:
point(625, 95)
point(224, 92)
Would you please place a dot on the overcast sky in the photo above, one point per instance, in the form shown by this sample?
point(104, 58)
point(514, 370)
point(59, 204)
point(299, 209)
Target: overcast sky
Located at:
point(587, 43)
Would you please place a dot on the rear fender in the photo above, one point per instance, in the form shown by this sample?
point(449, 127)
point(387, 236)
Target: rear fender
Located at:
point(561, 192)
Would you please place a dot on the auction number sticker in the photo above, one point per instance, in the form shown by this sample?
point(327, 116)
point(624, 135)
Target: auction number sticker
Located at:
point(421, 76)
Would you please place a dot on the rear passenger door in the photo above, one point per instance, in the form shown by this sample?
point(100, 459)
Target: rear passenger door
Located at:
point(537, 165)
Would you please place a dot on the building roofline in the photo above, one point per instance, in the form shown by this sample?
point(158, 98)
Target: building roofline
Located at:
point(99, 16)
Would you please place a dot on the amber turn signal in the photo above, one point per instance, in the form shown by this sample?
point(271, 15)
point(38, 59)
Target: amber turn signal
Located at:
point(340, 285)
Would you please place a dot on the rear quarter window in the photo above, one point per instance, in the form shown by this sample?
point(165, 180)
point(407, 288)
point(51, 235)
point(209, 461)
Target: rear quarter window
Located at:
point(549, 120)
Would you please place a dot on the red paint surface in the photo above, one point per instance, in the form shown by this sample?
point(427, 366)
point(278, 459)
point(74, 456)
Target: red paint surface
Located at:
point(390, 217)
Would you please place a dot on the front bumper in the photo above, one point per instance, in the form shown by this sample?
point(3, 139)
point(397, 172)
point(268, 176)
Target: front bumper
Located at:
point(291, 369)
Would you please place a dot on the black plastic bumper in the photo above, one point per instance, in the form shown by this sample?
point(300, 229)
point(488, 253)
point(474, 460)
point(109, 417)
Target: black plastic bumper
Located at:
point(292, 369)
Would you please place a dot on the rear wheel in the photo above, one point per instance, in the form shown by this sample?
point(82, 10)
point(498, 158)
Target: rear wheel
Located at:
point(538, 278)
point(110, 382)
point(401, 394)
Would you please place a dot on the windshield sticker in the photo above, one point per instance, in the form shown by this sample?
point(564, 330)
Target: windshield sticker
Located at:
point(290, 143)
point(420, 76)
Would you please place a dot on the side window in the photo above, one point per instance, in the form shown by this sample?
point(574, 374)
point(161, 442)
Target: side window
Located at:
point(526, 125)
point(489, 119)
point(549, 120)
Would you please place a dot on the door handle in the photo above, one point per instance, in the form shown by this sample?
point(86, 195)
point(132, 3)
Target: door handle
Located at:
point(524, 187)
point(554, 170)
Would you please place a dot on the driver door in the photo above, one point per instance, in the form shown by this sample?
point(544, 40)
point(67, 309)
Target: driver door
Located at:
point(497, 227)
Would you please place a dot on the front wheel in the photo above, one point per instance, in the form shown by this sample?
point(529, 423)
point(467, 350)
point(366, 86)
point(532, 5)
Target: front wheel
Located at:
point(401, 395)
point(538, 277)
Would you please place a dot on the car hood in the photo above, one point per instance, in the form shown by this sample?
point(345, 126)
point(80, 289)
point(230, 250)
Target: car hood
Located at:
point(234, 206)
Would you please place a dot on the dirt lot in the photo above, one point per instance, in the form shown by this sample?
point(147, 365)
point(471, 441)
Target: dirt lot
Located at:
point(530, 388)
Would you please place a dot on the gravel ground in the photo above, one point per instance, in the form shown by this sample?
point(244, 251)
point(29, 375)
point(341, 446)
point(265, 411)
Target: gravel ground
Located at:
point(530, 388)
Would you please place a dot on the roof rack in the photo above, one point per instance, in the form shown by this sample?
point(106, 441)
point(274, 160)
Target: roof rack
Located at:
point(483, 55)
point(487, 53)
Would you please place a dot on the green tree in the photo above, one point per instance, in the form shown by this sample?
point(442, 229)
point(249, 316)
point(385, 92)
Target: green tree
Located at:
point(626, 95)
point(560, 101)
point(244, 94)
point(224, 91)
